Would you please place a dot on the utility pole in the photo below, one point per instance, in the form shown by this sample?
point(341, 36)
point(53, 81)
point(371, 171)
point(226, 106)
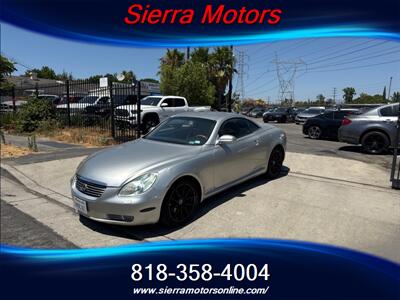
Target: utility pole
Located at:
point(229, 106)
point(390, 86)
point(187, 53)
point(334, 95)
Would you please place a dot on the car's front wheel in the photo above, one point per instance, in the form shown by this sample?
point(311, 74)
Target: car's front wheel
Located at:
point(375, 142)
point(275, 163)
point(180, 203)
point(314, 132)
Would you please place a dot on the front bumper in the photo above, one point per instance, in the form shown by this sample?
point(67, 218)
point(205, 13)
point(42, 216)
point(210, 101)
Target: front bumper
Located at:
point(123, 210)
point(300, 120)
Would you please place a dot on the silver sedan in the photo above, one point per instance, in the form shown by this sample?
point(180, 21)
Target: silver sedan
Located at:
point(167, 173)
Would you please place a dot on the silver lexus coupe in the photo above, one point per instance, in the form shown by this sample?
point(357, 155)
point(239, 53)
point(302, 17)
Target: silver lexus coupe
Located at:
point(164, 175)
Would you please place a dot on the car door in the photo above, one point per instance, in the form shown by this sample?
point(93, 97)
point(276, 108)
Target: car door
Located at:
point(240, 158)
point(388, 117)
point(336, 122)
point(180, 105)
point(167, 106)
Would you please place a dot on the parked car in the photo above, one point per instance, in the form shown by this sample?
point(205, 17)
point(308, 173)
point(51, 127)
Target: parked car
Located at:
point(102, 109)
point(166, 174)
point(302, 117)
point(79, 106)
point(8, 106)
point(375, 130)
point(257, 112)
point(326, 125)
point(54, 99)
point(154, 109)
point(280, 114)
point(246, 110)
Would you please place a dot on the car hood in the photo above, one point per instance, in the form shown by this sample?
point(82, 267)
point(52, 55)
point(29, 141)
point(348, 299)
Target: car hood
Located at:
point(305, 115)
point(116, 165)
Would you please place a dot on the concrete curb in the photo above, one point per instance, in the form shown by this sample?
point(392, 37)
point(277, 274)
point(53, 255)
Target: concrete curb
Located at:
point(37, 188)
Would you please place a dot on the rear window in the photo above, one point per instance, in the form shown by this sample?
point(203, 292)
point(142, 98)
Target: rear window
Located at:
point(390, 111)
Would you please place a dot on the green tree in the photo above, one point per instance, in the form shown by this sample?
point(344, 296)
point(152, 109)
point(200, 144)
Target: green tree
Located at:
point(384, 94)
point(222, 67)
point(321, 99)
point(200, 55)
point(6, 69)
point(369, 99)
point(150, 80)
point(349, 93)
point(193, 84)
point(129, 76)
point(44, 72)
point(396, 97)
point(170, 63)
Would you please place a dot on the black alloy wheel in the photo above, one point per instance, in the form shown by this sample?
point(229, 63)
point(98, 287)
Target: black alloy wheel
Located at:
point(275, 163)
point(375, 142)
point(180, 203)
point(314, 132)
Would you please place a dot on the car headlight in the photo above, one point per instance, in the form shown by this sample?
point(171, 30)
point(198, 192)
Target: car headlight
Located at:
point(138, 185)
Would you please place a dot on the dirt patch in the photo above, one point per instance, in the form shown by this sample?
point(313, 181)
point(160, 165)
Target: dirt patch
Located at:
point(82, 136)
point(8, 150)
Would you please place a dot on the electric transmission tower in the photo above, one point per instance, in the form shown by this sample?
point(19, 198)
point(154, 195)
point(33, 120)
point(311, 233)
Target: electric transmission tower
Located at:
point(286, 72)
point(241, 71)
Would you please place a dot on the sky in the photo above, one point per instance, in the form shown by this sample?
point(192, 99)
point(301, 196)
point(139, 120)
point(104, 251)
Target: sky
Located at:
point(321, 64)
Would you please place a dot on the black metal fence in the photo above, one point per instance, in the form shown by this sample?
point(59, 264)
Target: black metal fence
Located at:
point(112, 107)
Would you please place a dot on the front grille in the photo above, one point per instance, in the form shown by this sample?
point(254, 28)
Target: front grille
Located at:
point(121, 112)
point(89, 188)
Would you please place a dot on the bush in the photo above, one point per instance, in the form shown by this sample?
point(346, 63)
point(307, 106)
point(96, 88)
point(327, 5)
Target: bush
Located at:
point(8, 120)
point(33, 113)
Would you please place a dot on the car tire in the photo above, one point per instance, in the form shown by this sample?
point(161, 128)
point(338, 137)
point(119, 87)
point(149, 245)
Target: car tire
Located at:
point(375, 142)
point(265, 120)
point(275, 163)
point(180, 203)
point(283, 119)
point(149, 122)
point(314, 132)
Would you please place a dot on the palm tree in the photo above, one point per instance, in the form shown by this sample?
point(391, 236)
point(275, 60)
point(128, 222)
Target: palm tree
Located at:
point(349, 93)
point(173, 58)
point(200, 55)
point(222, 63)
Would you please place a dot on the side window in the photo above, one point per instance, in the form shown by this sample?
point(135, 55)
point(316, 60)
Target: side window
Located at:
point(329, 115)
point(179, 102)
point(236, 127)
point(103, 100)
point(253, 127)
point(339, 115)
point(390, 111)
point(169, 101)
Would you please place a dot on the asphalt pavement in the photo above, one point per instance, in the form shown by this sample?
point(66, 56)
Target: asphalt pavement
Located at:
point(299, 143)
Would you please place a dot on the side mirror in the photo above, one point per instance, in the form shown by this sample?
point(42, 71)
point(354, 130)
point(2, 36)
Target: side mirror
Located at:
point(164, 104)
point(226, 139)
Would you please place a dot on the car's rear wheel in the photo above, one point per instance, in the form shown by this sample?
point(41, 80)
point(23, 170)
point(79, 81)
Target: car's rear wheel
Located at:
point(375, 142)
point(275, 163)
point(282, 119)
point(265, 120)
point(180, 203)
point(314, 132)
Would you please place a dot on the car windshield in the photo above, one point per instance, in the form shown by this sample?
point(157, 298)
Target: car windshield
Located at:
point(281, 109)
point(153, 101)
point(89, 99)
point(183, 130)
point(315, 111)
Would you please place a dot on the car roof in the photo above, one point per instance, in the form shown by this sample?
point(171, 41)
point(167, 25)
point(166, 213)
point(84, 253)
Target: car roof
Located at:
point(212, 115)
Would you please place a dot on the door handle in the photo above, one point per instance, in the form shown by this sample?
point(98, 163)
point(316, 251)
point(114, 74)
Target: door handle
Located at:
point(257, 142)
